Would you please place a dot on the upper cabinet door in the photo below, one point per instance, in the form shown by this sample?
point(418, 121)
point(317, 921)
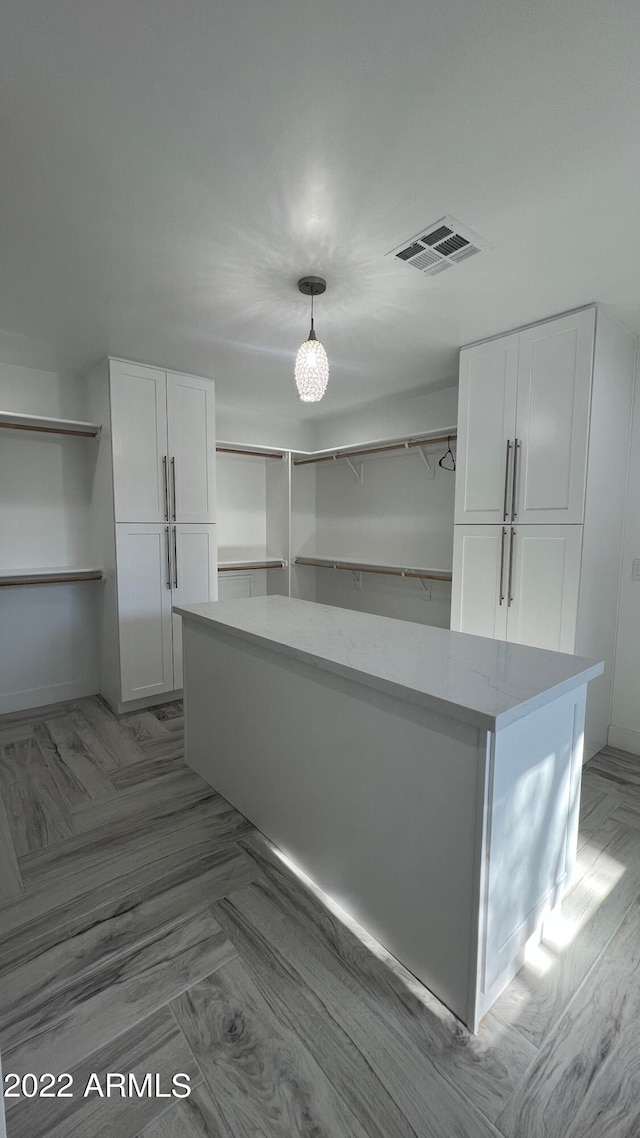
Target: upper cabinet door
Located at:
point(552, 421)
point(192, 448)
point(139, 440)
point(479, 587)
point(486, 429)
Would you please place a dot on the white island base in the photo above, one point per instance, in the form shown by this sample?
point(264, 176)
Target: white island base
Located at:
point(428, 781)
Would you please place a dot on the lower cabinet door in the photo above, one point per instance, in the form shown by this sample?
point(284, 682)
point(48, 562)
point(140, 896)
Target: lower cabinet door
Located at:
point(143, 553)
point(545, 579)
point(479, 585)
point(194, 577)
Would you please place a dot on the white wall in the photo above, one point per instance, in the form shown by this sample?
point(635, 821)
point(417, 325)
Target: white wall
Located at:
point(398, 516)
point(253, 522)
point(48, 642)
point(387, 419)
point(242, 504)
point(239, 425)
point(625, 729)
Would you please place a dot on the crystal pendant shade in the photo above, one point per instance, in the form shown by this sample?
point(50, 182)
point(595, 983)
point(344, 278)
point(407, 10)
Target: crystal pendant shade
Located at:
point(312, 371)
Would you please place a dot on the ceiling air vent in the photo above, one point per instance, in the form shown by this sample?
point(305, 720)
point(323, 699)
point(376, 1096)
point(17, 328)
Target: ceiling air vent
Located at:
point(442, 246)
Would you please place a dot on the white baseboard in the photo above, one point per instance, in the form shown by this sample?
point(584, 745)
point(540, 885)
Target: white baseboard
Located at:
point(43, 697)
point(624, 739)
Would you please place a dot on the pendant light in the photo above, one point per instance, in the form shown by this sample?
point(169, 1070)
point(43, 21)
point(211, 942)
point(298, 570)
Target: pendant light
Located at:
point(312, 365)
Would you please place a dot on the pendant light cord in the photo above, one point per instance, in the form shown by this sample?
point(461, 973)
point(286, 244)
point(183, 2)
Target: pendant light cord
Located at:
point(312, 334)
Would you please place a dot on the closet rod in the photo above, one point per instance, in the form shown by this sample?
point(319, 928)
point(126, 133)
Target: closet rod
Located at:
point(376, 450)
point(49, 430)
point(254, 453)
point(242, 565)
point(353, 567)
point(21, 581)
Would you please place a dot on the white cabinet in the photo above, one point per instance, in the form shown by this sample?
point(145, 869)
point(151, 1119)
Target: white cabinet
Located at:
point(191, 448)
point(543, 433)
point(139, 442)
point(153, 512)
point(486, 428)
point(159, 566)
point(163, 441)
point(543, 583)
point(555, 362)
point(194, 578)
point(523, 424)
point(478, 597)
point(518, 583)
point(144, 609)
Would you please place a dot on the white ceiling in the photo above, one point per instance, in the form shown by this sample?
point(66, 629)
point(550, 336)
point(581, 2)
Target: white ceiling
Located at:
point(171, 167)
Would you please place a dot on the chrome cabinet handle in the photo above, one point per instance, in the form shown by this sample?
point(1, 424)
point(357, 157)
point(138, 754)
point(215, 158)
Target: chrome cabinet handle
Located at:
point(504, 538)
point(173, 484)
point(175, 558)
point(511, 547)
point(166, 534)
point(514, 484)
point(166, 487)
point(506, 483)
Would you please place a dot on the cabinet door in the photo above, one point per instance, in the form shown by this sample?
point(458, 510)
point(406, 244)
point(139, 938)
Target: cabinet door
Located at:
point(478, 591)
point(192, 448)
point(552, 419)
point(486, 424)
point(545, 578)
point(194, 578)
point(139, 441)
point(144, 609)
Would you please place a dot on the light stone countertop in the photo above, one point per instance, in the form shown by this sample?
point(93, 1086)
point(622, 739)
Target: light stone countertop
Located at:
point(489, 683)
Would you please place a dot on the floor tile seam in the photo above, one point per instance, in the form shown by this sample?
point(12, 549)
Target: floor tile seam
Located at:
point(69, 1013)
point(102, 833)
point(19, 929)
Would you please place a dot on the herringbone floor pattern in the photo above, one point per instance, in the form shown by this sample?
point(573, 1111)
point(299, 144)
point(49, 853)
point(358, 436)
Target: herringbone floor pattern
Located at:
point(147, 928)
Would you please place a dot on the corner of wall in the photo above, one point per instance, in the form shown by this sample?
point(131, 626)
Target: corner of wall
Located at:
point(624, 731)
point(405, 414)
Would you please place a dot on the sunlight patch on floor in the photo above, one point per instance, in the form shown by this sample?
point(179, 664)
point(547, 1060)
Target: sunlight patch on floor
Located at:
point(378, 950)
point(581, 903)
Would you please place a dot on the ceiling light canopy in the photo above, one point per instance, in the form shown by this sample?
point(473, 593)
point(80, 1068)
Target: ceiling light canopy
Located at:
point(312, 365)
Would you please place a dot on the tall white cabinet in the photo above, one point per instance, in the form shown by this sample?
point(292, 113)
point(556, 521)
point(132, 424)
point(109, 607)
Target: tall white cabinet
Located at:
point(155, 510)
point(543, 431)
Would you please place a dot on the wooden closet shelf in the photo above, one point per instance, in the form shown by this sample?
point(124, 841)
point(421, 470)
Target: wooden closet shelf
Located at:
point(229, 566)
point(384, 570)
point(48, 426)
point(62, 576)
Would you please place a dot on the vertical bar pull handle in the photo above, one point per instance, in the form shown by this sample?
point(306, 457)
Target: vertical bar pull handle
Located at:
point(166, 534)
point(505, 511)
point(173, 484)
point(514, 484)
point(511, 548)
point(166, 487)
point(175, 558)
point(504, 538)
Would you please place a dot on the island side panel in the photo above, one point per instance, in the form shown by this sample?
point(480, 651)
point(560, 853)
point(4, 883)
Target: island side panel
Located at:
point(533, 802)
point(375, 799)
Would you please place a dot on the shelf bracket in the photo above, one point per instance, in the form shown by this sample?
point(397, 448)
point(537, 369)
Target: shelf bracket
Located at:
point(427, 462)
point(358, 471)
point(426, 585)
point(357, 578)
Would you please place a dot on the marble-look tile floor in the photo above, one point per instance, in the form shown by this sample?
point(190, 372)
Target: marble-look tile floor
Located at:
point(146, 927)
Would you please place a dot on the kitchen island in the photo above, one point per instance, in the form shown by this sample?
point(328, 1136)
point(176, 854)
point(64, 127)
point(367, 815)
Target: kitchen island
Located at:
point(428, 780)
